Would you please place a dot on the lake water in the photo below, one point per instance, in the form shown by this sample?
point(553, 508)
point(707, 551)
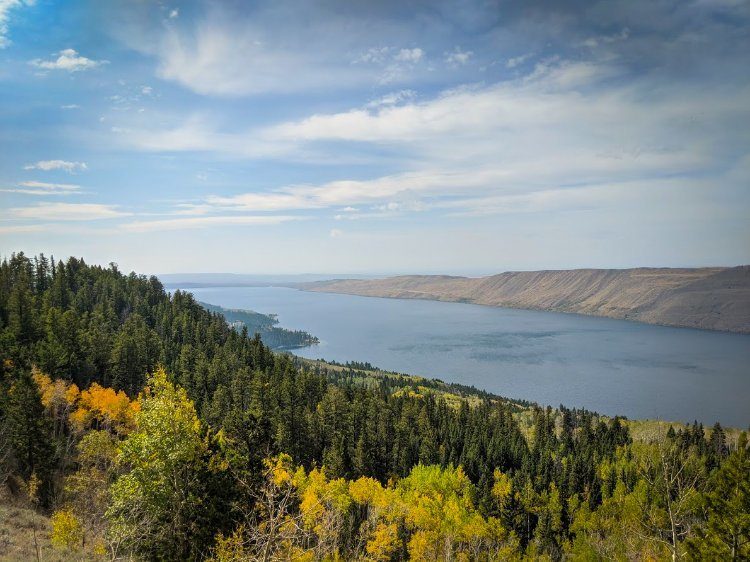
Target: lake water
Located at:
point(611, 366)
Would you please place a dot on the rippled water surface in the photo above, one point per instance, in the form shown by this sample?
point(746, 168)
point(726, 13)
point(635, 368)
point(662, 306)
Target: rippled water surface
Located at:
point(612, 366)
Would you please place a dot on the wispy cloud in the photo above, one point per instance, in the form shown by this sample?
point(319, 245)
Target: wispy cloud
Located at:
point(6, 6)
point(218, 57)
point(593, 42)
point(68, 60)
point(64, 165)
point(552, 127)
point(66, 212)
point(513, 62)
point(392, 98)
point(43, 188)
point(204, 222)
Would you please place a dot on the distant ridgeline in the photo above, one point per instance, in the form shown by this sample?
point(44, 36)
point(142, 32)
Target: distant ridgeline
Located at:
point(265, 325)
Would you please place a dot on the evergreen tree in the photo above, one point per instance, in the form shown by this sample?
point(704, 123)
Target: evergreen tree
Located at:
point(726, 534)
point(29, 435)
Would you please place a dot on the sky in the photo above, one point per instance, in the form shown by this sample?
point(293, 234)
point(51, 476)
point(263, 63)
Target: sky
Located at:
point(354, 136)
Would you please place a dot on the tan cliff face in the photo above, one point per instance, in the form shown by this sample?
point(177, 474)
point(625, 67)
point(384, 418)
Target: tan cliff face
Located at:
point(710, 298)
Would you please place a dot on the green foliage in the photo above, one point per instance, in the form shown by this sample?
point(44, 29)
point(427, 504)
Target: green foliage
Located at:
point(161, 505)
point(386, 466)
point(29, 436)
point(250, 322)
point(726, 533)
point(135, 351)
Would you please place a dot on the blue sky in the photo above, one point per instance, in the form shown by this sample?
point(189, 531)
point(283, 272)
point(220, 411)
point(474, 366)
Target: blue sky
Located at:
point(382, 137)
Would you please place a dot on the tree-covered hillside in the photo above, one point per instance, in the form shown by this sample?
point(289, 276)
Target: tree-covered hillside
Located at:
point(264, 324)
point(147, 427)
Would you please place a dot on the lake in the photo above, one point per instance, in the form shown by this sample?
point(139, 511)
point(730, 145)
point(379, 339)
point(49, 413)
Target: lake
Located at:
point(611, 366)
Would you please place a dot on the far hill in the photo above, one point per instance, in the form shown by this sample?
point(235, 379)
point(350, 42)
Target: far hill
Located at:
point(712, 298)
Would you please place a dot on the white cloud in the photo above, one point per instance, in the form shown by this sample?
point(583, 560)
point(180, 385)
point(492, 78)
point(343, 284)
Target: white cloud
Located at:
point(199, 222)
point(409, 55)
point(226, 50)
point(549, 92)
point(458, 57)
point(336, 233)
point(593, 42)
point(349, 192)
point(513, 62)
point(223, 58)
point(70, 106)
point(564, 124)
point(393, 98)
point(50, 186)
point(174, 13)
point(295, 198)
point(376, 55)
point(43, 188)
point(5, 8)
point(68, 59)
point(199, 134)
point(146, 90)
point(66, 212)
point(64, 165)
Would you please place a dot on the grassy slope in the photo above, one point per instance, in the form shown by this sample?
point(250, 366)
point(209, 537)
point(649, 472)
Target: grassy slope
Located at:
point(21, 527)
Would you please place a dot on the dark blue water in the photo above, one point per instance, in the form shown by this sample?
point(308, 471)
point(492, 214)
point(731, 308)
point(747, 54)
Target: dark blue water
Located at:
point(611, 366)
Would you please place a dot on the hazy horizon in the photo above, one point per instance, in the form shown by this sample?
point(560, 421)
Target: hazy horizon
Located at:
point(457, 273)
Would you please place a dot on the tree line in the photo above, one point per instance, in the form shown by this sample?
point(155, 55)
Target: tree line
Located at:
point(228, 450)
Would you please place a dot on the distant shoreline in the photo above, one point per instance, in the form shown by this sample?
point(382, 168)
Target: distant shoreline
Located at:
point(716, 299)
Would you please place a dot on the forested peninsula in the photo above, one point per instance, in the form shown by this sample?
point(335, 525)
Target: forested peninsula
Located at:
point(711, 298)
point(264, 324)
point(136, 424)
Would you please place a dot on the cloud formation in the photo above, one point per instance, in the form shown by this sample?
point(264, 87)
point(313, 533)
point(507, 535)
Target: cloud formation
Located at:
point(66, 212)
point(43, 188)
point(409, 55)
point(68, 60)
point(205, 222)
point(6, 7)
point(549, 131)
point(624, 124)
point(457, 57)
point(66, 166)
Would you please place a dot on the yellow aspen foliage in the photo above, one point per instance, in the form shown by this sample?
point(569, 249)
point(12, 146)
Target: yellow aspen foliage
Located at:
point(323, 501)
point(279, 468)
point(67, 531)
point(423, 546)
point(502, 487)
point(383, 542)
point(103, 408)
point(44, 383)
point(230, 548)
point(97, 407)
point(57, 395)
point(369, 492)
